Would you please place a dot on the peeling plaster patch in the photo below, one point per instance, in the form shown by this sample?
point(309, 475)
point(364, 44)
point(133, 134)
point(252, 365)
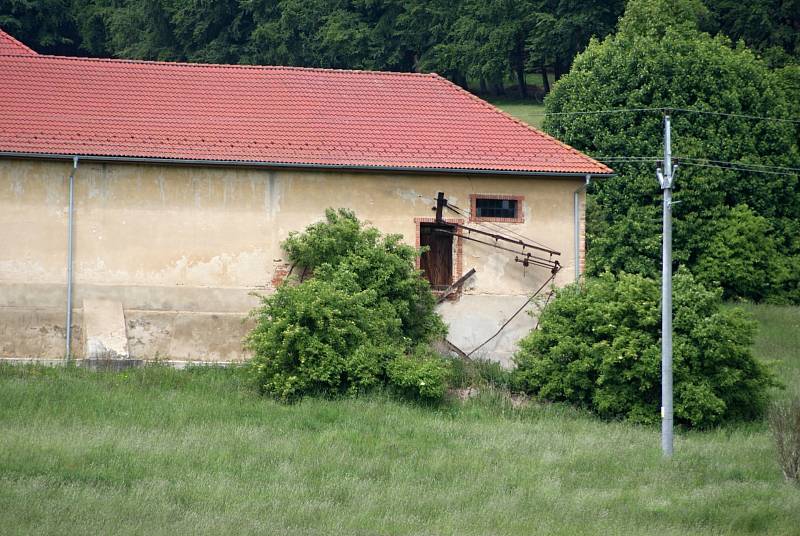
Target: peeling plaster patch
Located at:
point(149, 335)
point(22, 270)
point(496, 265)
point(411, 195)
point(224, 269)
point(246, 269)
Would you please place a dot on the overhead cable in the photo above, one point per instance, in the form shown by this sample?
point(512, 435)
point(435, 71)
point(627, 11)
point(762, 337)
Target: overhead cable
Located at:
point(672, 109)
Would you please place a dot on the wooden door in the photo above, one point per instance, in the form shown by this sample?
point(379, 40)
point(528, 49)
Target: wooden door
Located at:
point(437, 262)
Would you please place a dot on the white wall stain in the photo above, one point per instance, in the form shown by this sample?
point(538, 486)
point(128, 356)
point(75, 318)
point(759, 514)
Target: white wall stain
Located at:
point(160, 181)
point(410, 194)
point(17, 187)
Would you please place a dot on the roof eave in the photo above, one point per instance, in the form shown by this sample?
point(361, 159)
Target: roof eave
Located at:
point(287, 165)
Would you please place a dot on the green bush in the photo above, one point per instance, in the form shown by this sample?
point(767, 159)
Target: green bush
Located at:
point(598, 346)
point(422, 374)
point(342, 244)
point(342, 331)
point(739, 254)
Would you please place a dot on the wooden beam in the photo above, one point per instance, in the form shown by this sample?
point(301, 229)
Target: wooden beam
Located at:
point(449, 290)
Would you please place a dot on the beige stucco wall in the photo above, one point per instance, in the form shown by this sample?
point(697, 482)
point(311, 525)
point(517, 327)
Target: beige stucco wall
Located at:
point(183, 247)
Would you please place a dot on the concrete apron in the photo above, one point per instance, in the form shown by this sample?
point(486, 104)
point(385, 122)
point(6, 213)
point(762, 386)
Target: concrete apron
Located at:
point(104, 331)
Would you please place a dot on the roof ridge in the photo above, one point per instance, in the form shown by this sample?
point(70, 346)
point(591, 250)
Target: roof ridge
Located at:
point(520, 122)
point(220, 65)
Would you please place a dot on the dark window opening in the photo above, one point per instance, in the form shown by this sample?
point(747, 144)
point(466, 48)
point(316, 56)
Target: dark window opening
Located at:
point(437, 262)
point(496, 208)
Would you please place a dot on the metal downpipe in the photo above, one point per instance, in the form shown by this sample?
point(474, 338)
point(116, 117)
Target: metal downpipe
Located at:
point(576, 205)
point(70, 214)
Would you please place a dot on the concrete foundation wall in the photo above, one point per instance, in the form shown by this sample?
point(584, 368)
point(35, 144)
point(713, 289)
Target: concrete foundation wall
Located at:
point(183, 248)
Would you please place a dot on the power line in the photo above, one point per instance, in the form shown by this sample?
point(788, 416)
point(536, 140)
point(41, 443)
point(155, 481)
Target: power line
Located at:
point(671, 109)
point(598, 112)
point(627, 158)
point(742, 116)
point(493, 226)
point(518, 311)
point(745, 164)
point(707, 162)
point(734, 168)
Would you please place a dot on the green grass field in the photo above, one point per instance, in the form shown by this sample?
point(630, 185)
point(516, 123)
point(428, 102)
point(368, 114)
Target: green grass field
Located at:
point(159, 451)
point(525, 110)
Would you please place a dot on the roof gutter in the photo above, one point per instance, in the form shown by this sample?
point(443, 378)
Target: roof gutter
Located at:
point(285, 165)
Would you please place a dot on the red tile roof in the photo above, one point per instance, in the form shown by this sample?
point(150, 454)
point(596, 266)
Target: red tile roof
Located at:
point(9, 45)
point(269, 115)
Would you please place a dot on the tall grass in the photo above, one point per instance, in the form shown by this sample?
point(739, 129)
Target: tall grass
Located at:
point(159, 451)
point(778, 343)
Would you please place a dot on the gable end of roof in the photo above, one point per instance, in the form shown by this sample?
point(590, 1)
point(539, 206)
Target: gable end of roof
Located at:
point(10, 46)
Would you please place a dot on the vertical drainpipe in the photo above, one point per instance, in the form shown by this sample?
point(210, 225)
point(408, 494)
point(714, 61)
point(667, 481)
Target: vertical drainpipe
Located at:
point(70, 213)
point(576, 203)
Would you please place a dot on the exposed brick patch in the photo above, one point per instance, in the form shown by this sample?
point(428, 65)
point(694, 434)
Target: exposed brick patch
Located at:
point(473, 210)
point(279, 273)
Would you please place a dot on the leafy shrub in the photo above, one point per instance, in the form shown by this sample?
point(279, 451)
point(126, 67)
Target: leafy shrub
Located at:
point(422, 374)
point(784, 421)
point(598, 346)
point(340, 331)
point(740, 255)
point(342, 244)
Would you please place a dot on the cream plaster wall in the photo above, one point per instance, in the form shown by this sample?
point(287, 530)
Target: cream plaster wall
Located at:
point(171, 239)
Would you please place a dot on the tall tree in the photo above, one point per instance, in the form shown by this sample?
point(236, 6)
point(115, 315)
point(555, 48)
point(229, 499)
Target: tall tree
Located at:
point(561, 29)
point(660, 58)
point(45, 25)
point(771, 27)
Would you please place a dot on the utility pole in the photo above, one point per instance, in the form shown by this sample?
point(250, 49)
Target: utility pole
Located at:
point(665, 178)
point(441, 202)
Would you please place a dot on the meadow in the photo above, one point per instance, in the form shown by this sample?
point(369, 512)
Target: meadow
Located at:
point(197, 451)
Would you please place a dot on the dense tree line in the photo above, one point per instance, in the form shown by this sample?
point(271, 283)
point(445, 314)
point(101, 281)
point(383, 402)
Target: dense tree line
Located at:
point(476, 43)
point(470, 41)
point(736, 228)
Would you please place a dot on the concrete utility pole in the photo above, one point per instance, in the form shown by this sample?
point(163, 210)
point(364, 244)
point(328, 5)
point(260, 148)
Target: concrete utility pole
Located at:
point(665, 178)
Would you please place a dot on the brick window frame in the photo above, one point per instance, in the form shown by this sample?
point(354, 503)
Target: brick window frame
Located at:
point(473, 209)
point(458, 245)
